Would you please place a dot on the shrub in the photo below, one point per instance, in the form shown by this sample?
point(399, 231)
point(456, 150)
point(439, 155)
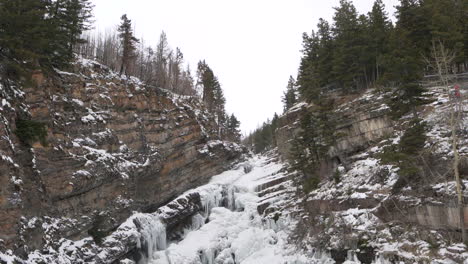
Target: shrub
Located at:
point(30, 131)
point(337, 176)
point(96, 232)
point(310, 184)
point(414, 138)
point(405, 154)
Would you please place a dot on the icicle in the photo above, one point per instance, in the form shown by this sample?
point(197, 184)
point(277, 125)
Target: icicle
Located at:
point(323, 257)
point(197, 221)
point(380, 259)
point(153, 235)
point(207, 256)
point(231, 198)
point(352, 258)
point(210, 199)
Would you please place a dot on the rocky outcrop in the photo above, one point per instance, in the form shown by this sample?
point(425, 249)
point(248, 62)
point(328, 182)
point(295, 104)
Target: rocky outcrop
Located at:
point(357, 208)
point(361, 122)
point(431, 215)
point(113, 146)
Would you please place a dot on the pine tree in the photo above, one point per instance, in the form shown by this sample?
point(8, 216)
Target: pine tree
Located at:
point(346, 55)
point(128, 42)
point(289, 97)
point(218, 106)
point(365, 58)
point(325, 54)
point(307, 78)
point(212, 95)
point(305, 154)
point(274, 126)
point(233, 129)
point(404, 64)
point(380, 26)
point(208, 83)
point(446, 21)
point(73, 18)
point(22, 44)
point(66, 20)
point(40, 34)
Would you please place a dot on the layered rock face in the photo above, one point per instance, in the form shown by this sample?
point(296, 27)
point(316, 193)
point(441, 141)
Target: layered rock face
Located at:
point(113, 146)
point(361, 122)
point(357, 207)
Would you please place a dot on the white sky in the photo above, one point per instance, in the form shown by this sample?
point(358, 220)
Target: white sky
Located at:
point(251, 45)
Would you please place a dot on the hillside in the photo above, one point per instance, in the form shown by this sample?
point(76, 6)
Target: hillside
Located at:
point(362, 203)
point(82, 150)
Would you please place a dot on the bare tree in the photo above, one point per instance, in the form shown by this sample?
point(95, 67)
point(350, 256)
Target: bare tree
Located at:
point(442, 60)
point(162, 68)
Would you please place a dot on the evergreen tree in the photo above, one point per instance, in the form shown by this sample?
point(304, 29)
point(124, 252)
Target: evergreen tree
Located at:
point(233, 129)
point(289, 97)
point(128, 42)
point(212, 95)
point(404, 64)
point(209, 84)
point(446, 22)
point(22, 44)
point(325, 54)
point(365, 58)
point(380, 26)
point(70, 18)
point(305, 155)
point(346, 55)
point(218, 106)
point(264, 137)
point(39, 34)
point(307, 78)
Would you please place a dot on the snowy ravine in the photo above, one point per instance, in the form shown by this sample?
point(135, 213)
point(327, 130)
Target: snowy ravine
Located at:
point(230, 229)
point(227, 229)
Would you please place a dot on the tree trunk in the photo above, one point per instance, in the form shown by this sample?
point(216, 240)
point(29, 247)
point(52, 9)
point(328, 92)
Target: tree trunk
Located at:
point(456, 162)
point(121, 69)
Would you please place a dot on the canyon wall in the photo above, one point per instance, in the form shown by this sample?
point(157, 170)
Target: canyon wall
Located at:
point(112, 146)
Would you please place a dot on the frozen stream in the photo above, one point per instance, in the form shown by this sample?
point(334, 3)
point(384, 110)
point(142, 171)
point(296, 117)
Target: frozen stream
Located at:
point(230, 230)
point(234, 233)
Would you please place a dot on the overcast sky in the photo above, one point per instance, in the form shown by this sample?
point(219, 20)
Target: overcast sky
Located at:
point(251, 45)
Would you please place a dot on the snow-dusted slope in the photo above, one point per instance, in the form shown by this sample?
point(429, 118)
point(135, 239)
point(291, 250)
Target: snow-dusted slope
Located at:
point(360, 208)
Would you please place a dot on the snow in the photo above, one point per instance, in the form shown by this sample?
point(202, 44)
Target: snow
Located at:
point(235, 232)
point(229, 227)
point(7, 257)
point(65, 73)
point(296, 107)
point(5, 103)
point(78, 102)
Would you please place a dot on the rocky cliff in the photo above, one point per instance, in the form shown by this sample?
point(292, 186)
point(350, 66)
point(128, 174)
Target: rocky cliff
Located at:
point(357, 209)
point(361, 121)
point(81, 150)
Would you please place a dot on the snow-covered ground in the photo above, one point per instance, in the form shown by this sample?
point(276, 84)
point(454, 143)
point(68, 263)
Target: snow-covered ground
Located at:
point(236, 234)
